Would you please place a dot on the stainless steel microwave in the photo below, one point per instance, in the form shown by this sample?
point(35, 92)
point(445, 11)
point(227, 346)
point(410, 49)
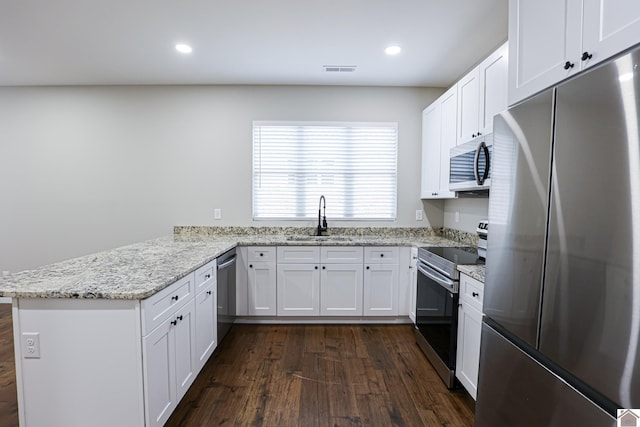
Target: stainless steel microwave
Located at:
point(470, 165)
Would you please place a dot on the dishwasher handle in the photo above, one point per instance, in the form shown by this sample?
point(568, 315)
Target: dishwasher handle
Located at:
point(227, 263)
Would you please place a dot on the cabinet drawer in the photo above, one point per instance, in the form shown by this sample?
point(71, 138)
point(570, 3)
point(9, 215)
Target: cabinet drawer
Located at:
point(261, 253)
point(341, 254)
point(298, 254)
point(205, 275)
point(381, 254)
point(159, 307)
point(472, 291)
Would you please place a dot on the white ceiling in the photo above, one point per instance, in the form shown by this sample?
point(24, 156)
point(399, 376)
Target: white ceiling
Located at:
point(96, 42)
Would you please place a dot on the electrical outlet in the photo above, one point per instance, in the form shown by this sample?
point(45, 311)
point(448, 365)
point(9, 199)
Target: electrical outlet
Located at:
point(31, 345)
point(217, 213)
point(456, 216)
point(419, 215)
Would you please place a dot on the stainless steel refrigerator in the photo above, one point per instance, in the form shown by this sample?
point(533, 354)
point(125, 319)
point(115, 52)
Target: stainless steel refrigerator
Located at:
point(561, 330)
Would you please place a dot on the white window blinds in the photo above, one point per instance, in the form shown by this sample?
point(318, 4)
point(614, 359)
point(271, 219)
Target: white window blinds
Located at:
point(354, 165)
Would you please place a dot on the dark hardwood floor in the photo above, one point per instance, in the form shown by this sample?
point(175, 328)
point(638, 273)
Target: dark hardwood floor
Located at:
point(312, 375)
point(321, 375)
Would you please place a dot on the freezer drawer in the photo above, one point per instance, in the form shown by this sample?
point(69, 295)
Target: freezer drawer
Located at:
point(516, 390)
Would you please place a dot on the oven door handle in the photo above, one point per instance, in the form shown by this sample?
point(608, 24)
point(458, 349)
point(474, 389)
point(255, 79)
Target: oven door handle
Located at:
point(442, 281)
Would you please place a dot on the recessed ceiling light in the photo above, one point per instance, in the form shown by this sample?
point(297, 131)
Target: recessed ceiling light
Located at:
point(183, 48)
point(393, 50)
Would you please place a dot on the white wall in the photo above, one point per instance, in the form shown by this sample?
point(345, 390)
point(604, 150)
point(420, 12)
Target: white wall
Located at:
point(84, 169)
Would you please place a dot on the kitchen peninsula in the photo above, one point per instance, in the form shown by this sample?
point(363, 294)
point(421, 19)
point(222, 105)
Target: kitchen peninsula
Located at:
point(84, 328)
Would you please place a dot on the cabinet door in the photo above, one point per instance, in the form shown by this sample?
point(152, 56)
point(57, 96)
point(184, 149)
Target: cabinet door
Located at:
point(609, 27)
point(262, 293)
point(431, 122)
point(543, 36)
point(206, 326)
point(468, 103)
point(468, 353)
point(159, 374)
point(380, 290)
point(493, 87)
point(298, 291)
point(448, 138)
point(341, 290)
point(185, 348)
point(413, 283)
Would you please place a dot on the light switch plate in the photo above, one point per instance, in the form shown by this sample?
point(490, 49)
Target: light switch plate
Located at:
point(419, 215)
point(217, 213)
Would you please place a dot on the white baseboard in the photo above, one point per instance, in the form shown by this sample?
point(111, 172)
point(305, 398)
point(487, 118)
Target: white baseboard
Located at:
point(5, 300)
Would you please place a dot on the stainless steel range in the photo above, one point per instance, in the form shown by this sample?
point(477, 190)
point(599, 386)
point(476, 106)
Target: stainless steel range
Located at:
point(437, 305)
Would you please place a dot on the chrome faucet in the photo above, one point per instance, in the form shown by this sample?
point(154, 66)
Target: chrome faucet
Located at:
point(322, 226)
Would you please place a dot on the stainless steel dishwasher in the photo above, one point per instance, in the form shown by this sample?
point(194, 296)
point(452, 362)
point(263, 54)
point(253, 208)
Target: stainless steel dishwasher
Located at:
point(226, 276)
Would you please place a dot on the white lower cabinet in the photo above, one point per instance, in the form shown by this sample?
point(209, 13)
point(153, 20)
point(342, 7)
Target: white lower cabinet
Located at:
point(206, 310)
point(298, 289)
point(206, 324)
point(169, 364)
point(262, 291)
point(469, 331)
point(341, 290)
point(381, 290)
point(381, 281)
point(261, 281)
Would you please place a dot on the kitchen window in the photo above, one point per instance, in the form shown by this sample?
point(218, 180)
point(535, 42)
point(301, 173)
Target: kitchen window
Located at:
point(354, 165)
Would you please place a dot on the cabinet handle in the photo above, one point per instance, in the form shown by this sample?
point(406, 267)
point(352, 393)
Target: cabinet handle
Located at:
point(473, 135)
point(479, 133)
point(175, 298)
point(324, 267)
point(475, 294)
point(367, 267)
point(381, 255)
point(174, 322)
point(316, 267)
point(180, 317)
point(568, 65)
point(261, 254)
point(208, 292)
point(586, 56)
point(250, 265)
point(207, 276)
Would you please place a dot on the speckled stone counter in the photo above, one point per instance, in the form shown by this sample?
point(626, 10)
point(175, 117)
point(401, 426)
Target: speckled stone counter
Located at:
point(131, 272)
point(140, 270)
point(475, 271)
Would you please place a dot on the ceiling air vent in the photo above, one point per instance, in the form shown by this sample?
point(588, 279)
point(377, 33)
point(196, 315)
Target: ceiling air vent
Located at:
point(339, 68)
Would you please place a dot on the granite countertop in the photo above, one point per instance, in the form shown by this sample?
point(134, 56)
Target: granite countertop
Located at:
point(475, 271)
point(140, 270)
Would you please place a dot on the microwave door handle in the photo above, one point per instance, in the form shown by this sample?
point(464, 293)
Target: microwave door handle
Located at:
point(487, 165)
point(476, 159)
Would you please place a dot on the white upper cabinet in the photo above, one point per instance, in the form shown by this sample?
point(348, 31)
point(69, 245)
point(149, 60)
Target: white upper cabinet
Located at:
point(609, 27)
point(439, 121)
point(493, 73)
point(482, 93)
point(462, 113)
point(551, 40)
point(468, 106)
point(431, 151)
